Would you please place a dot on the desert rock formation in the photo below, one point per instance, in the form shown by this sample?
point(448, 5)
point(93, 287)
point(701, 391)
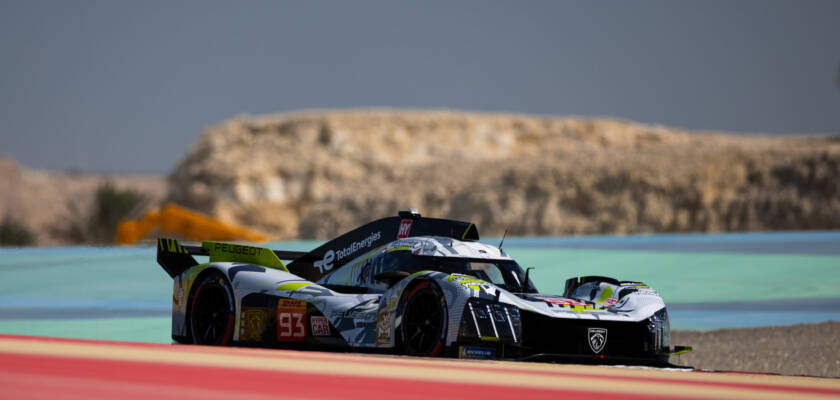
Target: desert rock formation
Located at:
point(313, 174)
point(42, 199)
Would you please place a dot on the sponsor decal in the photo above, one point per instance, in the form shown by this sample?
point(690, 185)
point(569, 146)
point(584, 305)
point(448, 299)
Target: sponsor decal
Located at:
point(320, 325)
point(469, 281)
point(356, 315)
point(252, 322)
point(231, 248)
point(185, 283)
point(383, 328)
point(561, 302)
point(476, 353)
point(328, 262)
point(363, 312)
point(597, 338)
point(569, 305)
point(405, 229)
point(180, 290)
point(291, 320)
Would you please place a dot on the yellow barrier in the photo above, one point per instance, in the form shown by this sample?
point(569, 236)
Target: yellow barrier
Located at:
point(181, 221)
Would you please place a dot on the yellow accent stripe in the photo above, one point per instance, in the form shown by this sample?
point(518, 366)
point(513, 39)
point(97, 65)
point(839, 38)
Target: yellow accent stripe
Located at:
point(606, 294)
point(171, 246)
point(463, 235)
point(580, 309)
point(687, 349)
point(292, 286)
point(190, 276)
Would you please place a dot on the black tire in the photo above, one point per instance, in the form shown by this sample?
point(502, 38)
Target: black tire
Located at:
point(212, 311)
point(422, 331)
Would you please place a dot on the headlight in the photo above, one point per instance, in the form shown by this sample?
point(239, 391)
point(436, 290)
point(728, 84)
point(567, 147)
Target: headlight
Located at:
point(660, 331)
point(490, 322)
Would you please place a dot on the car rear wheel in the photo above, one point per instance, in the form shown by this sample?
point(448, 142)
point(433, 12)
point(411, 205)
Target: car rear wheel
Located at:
point(423, 327)
point(212, 311)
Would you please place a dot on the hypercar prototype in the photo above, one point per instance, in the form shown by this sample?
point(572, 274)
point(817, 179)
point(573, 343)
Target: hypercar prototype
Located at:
point(408, 285)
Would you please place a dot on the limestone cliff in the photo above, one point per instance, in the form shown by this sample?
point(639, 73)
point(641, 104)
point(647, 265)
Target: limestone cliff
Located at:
point(43, 200)
point(314, 174)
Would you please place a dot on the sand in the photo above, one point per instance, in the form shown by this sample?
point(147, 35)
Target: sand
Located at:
point(805, 349)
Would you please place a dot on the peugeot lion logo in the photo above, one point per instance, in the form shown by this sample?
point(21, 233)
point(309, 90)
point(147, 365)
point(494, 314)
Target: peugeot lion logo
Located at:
point(597, 339)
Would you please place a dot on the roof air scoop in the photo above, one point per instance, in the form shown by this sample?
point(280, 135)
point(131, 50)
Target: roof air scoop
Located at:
point(410, 214)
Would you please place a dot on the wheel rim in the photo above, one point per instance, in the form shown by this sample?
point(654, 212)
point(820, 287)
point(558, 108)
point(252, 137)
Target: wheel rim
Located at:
point(422, 323)
point(211, 315)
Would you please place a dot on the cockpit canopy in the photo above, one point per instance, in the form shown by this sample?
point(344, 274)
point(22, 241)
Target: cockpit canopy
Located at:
point(391, 265)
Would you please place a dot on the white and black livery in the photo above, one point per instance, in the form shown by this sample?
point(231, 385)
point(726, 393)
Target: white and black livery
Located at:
point(408, 285)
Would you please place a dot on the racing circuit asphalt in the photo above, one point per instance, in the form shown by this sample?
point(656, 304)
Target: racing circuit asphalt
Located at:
point(40, 368)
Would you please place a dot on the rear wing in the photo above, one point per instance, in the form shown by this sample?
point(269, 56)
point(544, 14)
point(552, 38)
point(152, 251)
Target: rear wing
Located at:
point(175, 258)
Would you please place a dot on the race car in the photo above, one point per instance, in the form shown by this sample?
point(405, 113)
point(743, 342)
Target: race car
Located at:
point(408, 285)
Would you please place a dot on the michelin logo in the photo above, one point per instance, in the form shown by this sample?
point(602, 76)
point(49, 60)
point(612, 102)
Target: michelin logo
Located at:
point(327, 263)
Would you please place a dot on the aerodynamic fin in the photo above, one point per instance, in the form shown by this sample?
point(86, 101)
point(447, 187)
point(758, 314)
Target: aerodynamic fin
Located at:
point(231, 252)
point(337, 252)
point(173, 257)
point(176, 258)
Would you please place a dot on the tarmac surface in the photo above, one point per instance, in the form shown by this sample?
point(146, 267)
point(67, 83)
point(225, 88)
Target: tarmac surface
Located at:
point(41, 368)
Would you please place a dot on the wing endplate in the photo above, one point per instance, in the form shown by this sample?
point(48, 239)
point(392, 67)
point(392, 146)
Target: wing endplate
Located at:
point(173, 257)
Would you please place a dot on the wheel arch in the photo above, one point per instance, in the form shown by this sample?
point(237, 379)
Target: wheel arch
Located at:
point(208, 270)
point(408, 290)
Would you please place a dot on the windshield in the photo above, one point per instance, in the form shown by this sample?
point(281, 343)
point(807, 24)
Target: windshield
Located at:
point(506, 274)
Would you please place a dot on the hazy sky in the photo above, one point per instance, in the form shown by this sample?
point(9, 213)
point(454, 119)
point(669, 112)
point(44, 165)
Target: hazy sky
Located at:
point(128, 86)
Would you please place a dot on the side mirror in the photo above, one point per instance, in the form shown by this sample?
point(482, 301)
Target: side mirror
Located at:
point(391, 277)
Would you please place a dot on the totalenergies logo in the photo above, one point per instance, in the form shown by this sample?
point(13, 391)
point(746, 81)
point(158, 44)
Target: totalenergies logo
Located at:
point(328, 262)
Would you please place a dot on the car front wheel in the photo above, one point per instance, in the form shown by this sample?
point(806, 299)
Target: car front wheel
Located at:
point(423, 327)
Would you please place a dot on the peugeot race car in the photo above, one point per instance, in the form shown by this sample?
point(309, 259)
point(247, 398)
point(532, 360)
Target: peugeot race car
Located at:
point(408, 285)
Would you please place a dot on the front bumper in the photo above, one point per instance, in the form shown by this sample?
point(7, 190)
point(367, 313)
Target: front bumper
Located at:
point(597, 338)
point(497, 330)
